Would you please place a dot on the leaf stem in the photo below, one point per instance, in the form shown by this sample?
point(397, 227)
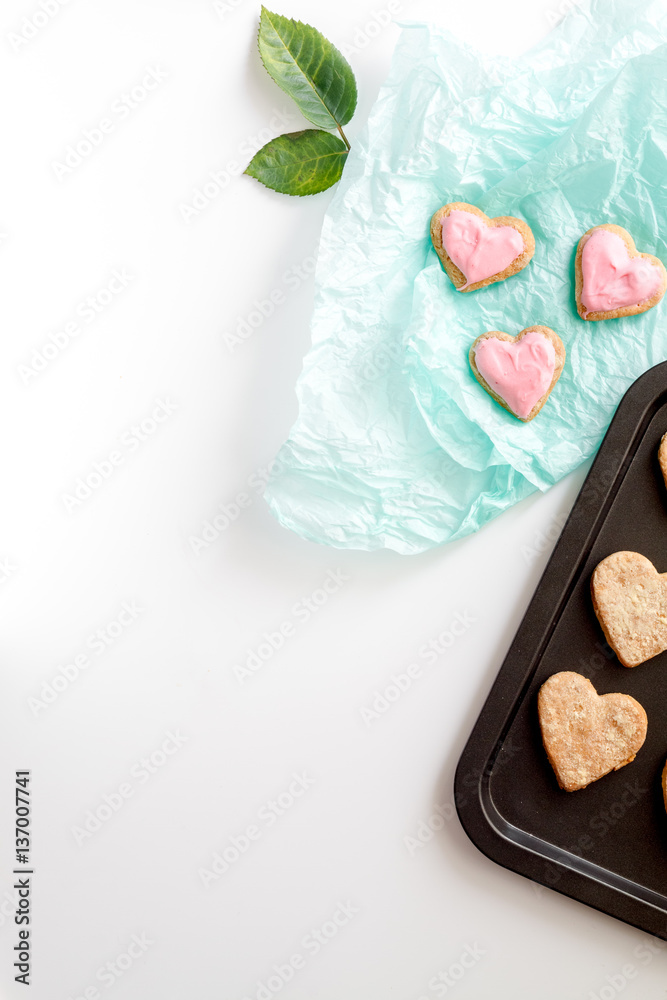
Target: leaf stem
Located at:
point(343, 136)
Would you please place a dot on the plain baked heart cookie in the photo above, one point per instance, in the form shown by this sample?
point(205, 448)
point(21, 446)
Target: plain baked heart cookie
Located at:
point(519, 372)
point(612, 278)
point(475, 250)
point(630, 601)
point(587, 735)
point(662, 457)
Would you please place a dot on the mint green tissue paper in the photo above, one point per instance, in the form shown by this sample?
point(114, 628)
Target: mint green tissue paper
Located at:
point(396, 445)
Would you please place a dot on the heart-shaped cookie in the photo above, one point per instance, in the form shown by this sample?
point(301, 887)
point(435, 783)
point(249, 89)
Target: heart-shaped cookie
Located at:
point(519, 372)
point(662, 457)
point(475, 250)
point(612, 278)
point(587, 735)
point(630, 600)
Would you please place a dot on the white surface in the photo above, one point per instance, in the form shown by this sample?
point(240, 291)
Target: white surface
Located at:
point(172, 667)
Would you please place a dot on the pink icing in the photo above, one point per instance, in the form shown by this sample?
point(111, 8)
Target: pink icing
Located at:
point(519, 371)
point(477, 249)
point(611, 278)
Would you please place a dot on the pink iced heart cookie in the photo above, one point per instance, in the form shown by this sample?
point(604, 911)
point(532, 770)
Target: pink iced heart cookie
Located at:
point(475, 250)
point(519, 372)
point(612, 278)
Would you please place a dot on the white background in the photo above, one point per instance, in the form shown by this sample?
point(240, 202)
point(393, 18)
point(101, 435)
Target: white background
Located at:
point(67, 573)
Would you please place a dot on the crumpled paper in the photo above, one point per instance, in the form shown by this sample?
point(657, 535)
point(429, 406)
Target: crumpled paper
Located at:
point(396, 445)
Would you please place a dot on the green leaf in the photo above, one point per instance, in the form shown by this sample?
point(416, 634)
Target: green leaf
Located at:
point(308, 68)
point(300, 162)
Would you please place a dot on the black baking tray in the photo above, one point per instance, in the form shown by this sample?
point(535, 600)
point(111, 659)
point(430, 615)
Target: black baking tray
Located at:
point(605, 845)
